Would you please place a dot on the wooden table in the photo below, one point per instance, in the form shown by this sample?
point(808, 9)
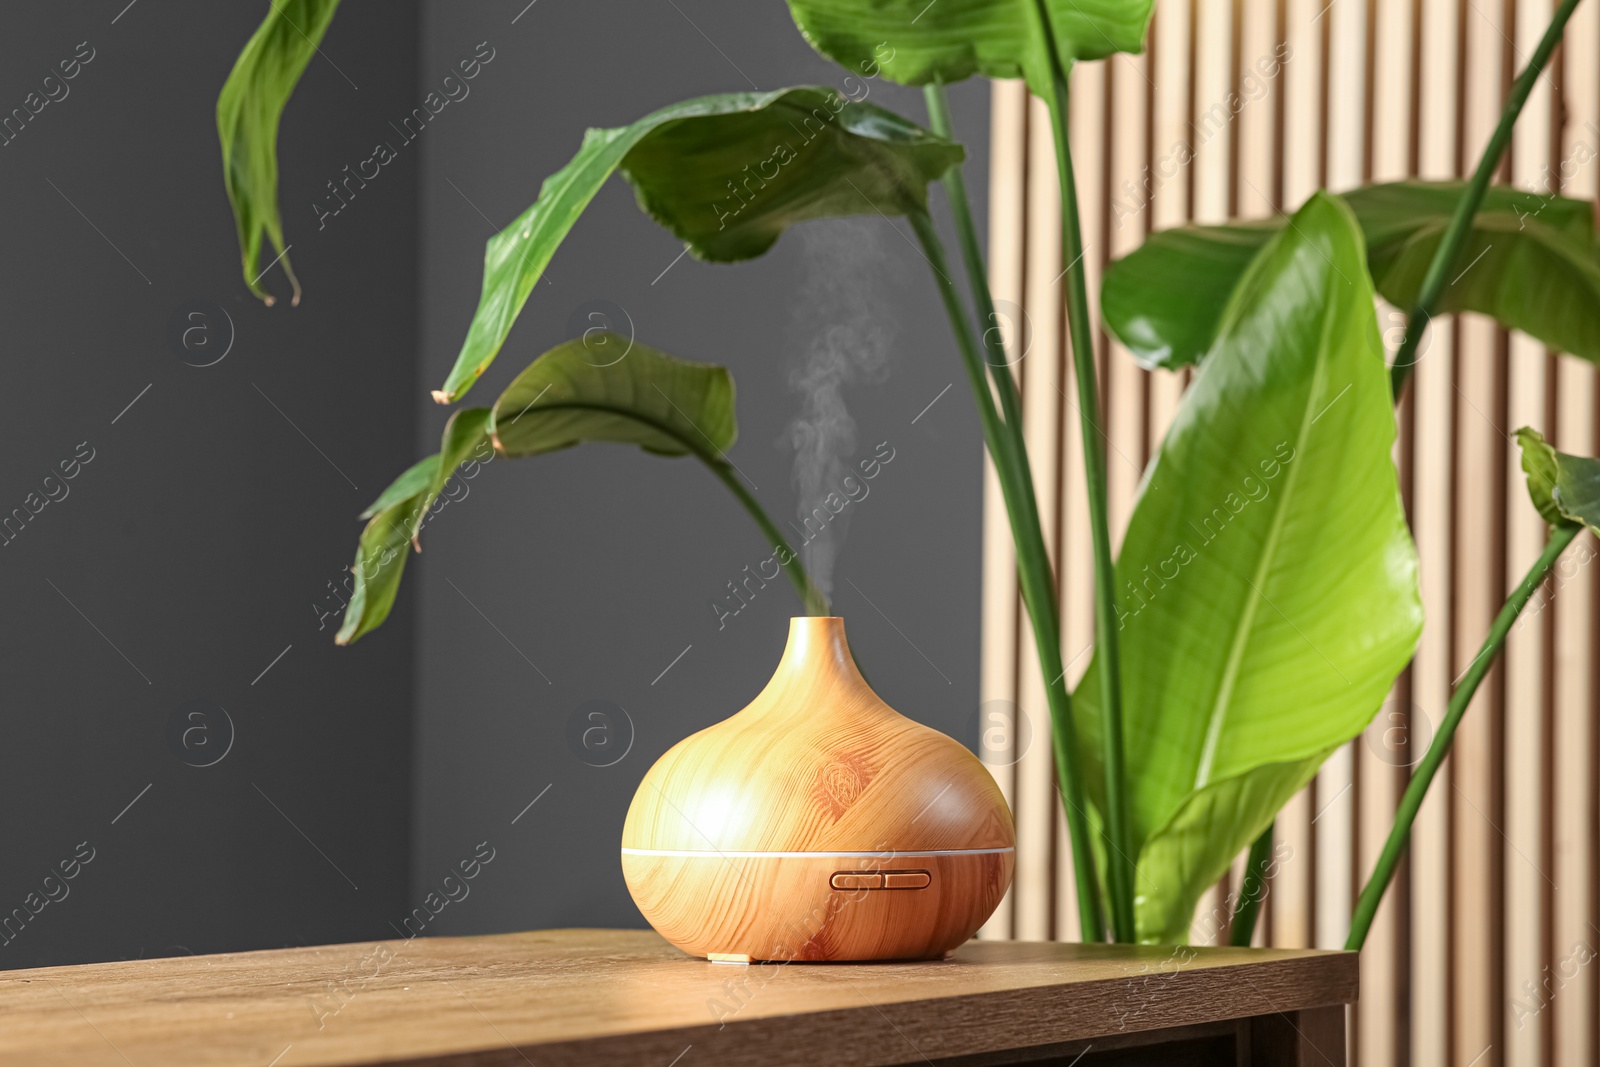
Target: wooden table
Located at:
point(625, 997)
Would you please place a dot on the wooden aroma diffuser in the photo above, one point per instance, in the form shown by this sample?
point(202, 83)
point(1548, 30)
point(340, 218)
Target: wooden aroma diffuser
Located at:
point(818, 824)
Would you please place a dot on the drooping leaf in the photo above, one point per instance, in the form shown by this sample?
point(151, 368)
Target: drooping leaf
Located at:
point(465, 438)
point(1165, 299)
point(1564, 488)
point(380, 560)
point(569, 395)
point(668, 406)
point(413, 481)
point(726, 174)
point(1539, 464)
point(248, 109)
point(1267, 582)
point(914, 42)
point(1529, 261)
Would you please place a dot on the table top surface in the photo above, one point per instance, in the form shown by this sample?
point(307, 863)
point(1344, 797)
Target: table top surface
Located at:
point(575, 996)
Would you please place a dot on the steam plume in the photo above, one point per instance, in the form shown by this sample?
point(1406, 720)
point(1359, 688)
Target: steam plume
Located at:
point(847, 334)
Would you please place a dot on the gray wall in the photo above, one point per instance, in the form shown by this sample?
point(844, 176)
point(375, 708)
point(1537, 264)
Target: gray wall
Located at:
point(202, 539)
point(187, 553)
point(599, 564)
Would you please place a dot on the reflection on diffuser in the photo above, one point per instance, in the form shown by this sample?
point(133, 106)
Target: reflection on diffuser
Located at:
point(818, 824)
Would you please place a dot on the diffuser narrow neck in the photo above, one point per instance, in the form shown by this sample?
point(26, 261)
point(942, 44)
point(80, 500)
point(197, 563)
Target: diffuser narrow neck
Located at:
point(817, 645)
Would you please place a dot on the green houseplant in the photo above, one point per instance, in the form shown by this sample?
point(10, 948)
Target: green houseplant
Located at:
point(1265, 596)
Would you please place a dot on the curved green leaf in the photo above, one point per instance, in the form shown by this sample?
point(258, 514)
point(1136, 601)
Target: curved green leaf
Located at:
point(727, 174)
point(1539, 464)
point(380, 560)
point(1529, 262)
point(396, 519)
point(569, 395)
point(1267, 581)
point(413, 481)
point(668, 406)
point(914, 42)
point(248, 109)
point(1564, 488)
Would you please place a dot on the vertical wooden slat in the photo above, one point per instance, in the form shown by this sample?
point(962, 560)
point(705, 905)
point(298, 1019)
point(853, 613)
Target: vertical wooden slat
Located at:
point(1335, 817)
point(1526, 882)
point(1257, 81)
point(1575, 1011)
point(1041, 377)
point(998, 666)
point(1124, 230)
point(1169, 174)
point(1087, 124)
point(1480, 542)
point(1212, 136)
point(1433, 523)
point(1387, 124)
point(1260, 87)
point(1294, 912)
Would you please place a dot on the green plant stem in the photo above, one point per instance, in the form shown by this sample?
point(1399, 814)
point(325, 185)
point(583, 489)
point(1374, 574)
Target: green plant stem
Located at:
point(811, 597)
point(1034, 575)
point(1254, 890)
point(1067, 766)
point(977, 276)
point(1455, 235)
point(1119, 843)
point(1400, 834)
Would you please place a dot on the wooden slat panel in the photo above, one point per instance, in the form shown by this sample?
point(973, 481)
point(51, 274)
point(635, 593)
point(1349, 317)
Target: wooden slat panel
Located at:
point(1502, 880)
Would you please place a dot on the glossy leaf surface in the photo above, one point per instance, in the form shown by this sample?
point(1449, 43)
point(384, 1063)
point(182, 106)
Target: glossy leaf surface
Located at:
point(726, 174)
point(1529, 262)
point(1267, 581)
point(577, 392)
point(914, 42)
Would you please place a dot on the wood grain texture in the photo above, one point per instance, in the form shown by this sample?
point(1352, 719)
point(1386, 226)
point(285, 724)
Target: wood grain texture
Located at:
point(734, 835)
point(626, 997)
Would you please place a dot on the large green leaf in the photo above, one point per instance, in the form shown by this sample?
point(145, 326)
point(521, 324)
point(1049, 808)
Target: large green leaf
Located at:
point(1564, 488)
point(1529, 262)
point(667, 406)
point(727, 174)
point(914, 41)
point(1267, 581)
point(248, 109)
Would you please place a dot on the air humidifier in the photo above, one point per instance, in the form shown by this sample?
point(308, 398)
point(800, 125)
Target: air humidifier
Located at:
point(818, 824)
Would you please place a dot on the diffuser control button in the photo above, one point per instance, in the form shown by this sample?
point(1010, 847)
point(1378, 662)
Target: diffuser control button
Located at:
point(906, 880)
point(856, 880)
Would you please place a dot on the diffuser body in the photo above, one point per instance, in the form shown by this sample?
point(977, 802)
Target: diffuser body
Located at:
point(818, 824)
